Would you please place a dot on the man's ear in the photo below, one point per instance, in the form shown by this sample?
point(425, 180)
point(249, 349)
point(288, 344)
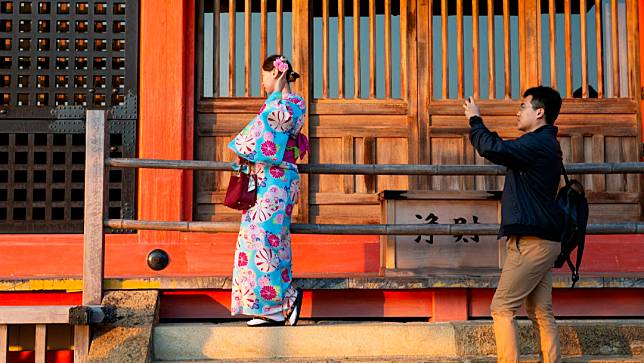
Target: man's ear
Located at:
point(541, 113)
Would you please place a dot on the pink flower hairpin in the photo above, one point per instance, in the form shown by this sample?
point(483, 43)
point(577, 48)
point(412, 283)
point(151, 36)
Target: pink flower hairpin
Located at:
point(280, 64)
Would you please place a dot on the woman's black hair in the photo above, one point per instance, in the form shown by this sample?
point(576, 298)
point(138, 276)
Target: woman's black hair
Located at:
point(268, 66)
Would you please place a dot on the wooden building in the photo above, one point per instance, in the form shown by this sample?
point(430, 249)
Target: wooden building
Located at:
point(179, 90)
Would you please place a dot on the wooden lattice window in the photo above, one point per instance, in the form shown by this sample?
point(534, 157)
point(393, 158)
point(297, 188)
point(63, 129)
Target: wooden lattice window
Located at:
point(57, 59)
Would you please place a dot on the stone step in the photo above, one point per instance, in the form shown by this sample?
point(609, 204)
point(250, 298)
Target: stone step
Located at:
point(524, 359)
point(581, 340)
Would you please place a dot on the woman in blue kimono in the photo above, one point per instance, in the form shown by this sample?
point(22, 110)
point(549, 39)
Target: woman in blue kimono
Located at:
point(271, 143)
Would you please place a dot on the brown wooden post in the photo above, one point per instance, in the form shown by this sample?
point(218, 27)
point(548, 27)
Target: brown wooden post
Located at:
point(40, 345)
point(4, 342)
point(94, 233)
point(302, 54)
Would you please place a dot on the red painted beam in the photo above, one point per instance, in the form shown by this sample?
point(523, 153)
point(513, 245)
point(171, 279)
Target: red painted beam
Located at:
point(40, 298)
point(196, 254)
point(317, 303)
point(439, 304)
point(52, 356)
point(574, 303)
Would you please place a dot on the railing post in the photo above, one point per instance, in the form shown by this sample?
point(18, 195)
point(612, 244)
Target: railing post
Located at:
point(93, 234)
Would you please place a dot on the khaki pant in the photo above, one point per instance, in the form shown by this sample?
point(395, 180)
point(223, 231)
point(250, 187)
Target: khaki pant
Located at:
point(526, 277)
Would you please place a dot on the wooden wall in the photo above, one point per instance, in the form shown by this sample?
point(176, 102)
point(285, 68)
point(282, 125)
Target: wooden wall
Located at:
point(418, 127)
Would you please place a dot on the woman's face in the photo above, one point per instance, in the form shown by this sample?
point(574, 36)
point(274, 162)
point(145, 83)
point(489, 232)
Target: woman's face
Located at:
point(268, 79)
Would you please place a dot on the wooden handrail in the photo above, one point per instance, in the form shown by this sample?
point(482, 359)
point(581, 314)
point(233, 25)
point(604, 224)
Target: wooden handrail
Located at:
point(359, 229)
point(377, 169)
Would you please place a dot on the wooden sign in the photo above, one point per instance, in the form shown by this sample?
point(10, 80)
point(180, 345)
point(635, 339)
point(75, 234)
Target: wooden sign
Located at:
point(440, 252)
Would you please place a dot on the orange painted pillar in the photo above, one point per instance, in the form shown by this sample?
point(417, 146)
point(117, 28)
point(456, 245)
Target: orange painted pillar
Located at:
point(641, 31)
point(166, 111)
point(450, 305)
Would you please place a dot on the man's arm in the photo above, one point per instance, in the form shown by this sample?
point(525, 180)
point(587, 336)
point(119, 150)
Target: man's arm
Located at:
point(515, 154)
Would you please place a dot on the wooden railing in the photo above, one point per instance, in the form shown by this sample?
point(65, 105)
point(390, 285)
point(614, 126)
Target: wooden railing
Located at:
point(91, 310)
point(95, 222)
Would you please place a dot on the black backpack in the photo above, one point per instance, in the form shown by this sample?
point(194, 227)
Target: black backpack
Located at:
point(572, 200)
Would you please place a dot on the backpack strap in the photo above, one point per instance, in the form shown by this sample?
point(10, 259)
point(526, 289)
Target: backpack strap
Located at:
point(580, 248)
point(575, 271)
point(563, 171)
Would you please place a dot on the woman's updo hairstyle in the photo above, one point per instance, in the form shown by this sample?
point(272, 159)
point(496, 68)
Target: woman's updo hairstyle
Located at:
point(282, 64)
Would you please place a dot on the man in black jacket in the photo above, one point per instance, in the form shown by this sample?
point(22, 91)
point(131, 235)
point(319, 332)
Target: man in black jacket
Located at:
point(530, 218)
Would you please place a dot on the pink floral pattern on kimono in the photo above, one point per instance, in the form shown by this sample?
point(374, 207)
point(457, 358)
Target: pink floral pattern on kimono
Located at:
point(262, 274)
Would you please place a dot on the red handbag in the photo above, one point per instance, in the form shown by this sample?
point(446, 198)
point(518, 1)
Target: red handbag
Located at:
point(238, 196)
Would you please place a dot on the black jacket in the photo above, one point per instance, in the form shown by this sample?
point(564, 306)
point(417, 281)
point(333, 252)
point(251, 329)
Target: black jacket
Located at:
point(533, 164)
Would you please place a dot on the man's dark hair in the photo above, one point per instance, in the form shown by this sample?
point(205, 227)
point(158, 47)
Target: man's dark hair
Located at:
point(546, 98)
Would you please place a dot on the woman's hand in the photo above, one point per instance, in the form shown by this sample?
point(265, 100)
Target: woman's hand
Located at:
point(280, 83)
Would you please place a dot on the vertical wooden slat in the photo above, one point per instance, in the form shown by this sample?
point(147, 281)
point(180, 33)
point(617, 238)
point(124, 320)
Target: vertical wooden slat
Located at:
point(583, 48)
point(49, 178)
point(430, 50)
point(405, 56)
point(553, 42)
point(539, 45)
point(4, 342)
point(476, 81)
point(279, 25)
point(348, 158)
point(369, 157)
point(11, 179)
point(68, 177)
point(372, 48)
point(599, 180)
point(40, 344)
point(30, 176)
point(614, 47)
point(598, 47)
point(247, 47)
point(388, 48)
point(444, 50)
point(490, 50)
point(469, 182)
point(577, 148)
point(340, 48)
point(356, 48)
point(418, 140)
point(567, 41)
point(216, 29)
point(459, 47)
point(81, 343)
point(634, 11)
point(95, 192)
point(302, 58)
point(325, 48)
point(232, 26)
point(263, 39)
point(200, 76)
point(506, 45)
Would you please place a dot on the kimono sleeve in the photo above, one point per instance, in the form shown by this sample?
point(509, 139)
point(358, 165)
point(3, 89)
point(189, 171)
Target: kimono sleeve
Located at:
point(264, 138)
